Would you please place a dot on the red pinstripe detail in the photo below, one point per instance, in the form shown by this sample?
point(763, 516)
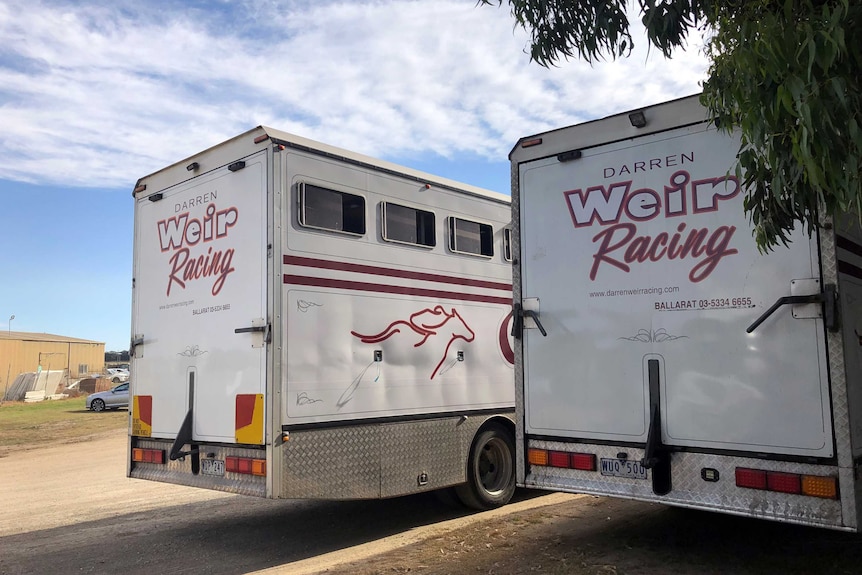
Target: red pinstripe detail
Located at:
point(389, 272)
point(387, 288)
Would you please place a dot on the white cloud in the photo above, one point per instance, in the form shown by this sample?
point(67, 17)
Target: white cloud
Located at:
point(100, 94)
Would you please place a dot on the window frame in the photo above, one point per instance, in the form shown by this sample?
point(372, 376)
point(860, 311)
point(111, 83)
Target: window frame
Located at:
point(302, 204)
point(453, 237)
point(384, 227)
point(507, 244)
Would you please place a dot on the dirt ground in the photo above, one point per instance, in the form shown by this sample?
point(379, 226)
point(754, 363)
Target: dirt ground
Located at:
point(62, 506)
point(600, 536)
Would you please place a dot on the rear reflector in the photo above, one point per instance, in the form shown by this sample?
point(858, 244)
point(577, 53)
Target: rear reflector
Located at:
point(245, 465)
point(148, 455)
point(562, 459)
point(795, 483)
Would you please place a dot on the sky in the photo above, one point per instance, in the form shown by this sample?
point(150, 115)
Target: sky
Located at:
point(96, 94)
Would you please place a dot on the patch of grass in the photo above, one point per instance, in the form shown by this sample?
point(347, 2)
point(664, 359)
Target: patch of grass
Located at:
point(25, 425)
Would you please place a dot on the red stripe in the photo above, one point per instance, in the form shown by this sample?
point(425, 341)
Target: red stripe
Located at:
point(389, 272)
point(387, 288)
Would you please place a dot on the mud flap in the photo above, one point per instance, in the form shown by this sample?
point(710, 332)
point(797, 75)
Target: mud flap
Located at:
point(656, 455)
point(184, 435)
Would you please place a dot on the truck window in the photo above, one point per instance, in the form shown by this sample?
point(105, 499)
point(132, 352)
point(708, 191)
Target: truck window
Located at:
point(408, 225)
point(473, 238)
point(331, 210)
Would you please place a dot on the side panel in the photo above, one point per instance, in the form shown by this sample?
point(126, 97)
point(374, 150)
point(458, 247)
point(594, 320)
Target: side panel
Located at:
point(639, 252)
point(200, 274)
point(377, 460)
point(378, 329)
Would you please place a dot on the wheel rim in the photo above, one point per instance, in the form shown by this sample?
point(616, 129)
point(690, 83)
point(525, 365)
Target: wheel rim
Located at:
point(495, 466)
point(98, 405)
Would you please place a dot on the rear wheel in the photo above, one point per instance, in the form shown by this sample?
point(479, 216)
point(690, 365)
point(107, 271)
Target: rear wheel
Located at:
point(490, 469)
point(97, 405)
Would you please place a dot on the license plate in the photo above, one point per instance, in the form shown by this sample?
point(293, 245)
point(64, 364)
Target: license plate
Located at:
point(623, 468)
point(212, 467)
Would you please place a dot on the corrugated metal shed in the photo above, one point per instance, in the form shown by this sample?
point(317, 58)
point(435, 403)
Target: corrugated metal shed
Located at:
point(24, 352)
point(27, 336)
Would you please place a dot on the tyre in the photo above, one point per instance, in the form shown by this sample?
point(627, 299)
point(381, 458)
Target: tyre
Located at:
point(115, 380)
point(97, 405)
point(490, 469)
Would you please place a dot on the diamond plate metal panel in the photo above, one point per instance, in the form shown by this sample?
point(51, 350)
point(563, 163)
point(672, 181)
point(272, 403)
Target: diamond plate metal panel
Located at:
point(180, 471)
point(690, 490)
point(378, 460)
point(838, 383)
point(435, 449)
point(518, 344)
point(334, 463)
point(840, 378)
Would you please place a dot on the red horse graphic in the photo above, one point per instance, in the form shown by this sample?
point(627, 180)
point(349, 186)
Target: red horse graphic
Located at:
point(427, 323)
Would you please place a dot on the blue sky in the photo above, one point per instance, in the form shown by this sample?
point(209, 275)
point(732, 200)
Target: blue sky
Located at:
point(95, 94)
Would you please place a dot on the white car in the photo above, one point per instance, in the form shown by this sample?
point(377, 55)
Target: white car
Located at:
point(117, 375)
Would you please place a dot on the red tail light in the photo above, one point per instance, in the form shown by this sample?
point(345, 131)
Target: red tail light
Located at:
point(784, 482)
point(795, 483)
point(750, 478)
point(584, 461)
point(562, 459)
point(148, 455)
point(245, 465)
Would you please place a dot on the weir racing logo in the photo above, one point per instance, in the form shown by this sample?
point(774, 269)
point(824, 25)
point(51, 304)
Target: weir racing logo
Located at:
point(619, 211)
point(191, 242)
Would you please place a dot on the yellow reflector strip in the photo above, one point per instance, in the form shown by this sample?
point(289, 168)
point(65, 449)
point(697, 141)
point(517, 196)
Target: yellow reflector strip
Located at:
point(537, 456)
point(142, 415)
point(816, 486)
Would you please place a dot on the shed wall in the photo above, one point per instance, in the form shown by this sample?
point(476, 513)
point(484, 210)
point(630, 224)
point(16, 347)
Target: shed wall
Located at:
point(78, 358)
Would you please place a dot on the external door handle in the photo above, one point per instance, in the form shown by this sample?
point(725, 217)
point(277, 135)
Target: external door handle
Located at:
point(265, 329)
point(519, 313)
point(251, 329)
point(827, 298)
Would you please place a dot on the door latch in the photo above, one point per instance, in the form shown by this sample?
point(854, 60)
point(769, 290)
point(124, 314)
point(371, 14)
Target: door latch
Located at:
point(828, 297)
point(264, 329)
point(518, 315)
